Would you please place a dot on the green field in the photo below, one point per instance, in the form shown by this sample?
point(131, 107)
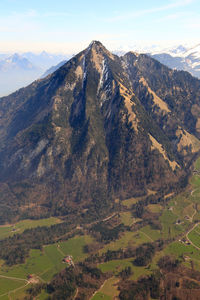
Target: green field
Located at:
point(75, 247)
point(195, 181)
point(194, 236)
point(129, 202)
point(108, 291)
point(115, 266)
point(151, 233)
point(169, 227)
point(155, 208)
point(9, 230)
point(127, 218)
point(197, 228)
point(128, 239)
point(100, 296)
point(197, 164)
point(179, 249)
point(46, 263)
point(9, 285)
point(176, 217)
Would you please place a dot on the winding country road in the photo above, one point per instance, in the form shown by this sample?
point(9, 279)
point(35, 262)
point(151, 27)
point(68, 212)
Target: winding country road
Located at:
point(15, 290)
point(147, 236)
point(75, 294)
point(189, 233)
point(99, 289)
point(13, 278)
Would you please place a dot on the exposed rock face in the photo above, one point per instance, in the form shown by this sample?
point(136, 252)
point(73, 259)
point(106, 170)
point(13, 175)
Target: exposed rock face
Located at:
point(99, 127)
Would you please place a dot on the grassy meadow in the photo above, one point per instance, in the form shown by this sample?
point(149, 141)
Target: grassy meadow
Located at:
point(19, 227)
point(44, 264)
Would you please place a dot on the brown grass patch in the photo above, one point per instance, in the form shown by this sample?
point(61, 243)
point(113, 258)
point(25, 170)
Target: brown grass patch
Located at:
point(159, 147)
point(128, 103)
point(187, 139)
point(157, 100)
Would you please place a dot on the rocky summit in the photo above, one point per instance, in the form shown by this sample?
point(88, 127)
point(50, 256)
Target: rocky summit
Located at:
point(100, 128)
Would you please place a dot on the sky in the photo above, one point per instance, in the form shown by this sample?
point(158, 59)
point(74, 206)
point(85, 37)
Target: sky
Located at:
point(63, 26)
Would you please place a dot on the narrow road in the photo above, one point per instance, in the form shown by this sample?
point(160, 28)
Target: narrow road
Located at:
point(15, 290)
point(37, 276)
point(88, 225)
point(108, 218)
point(189, 233)
point(99, 289)
point(104, 220)
point(13, 278)
point(147, 236)
point(76, 294)
point(193, 192)
point(58, 248)
point(191, 218)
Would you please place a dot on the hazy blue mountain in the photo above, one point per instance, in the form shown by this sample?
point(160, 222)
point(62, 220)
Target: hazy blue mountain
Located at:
point(44, 59)
point(19, 70)
point(53, 68)
point(16, 72)
point(181, 58)
point(16, 62)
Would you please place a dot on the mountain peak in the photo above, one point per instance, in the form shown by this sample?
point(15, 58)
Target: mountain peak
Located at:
point(92, 132)
point(95, 44)
point(98, 51)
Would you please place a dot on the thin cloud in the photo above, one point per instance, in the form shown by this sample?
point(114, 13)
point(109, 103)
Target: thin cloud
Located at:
point(19, 22)
point(174, 16)
point(57, 14)
point(193, 23)
point(139, 13)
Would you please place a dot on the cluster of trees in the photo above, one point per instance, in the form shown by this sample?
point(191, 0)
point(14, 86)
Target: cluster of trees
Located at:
point(142, 289)
point(168, 263)
point(147, 249)
point(107, 234)
point(144, 254)
point(125, 273)
point(82, 279)
point(15, 249)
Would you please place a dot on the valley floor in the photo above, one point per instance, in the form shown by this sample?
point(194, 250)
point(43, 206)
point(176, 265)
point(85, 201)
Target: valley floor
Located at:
point(175, 221)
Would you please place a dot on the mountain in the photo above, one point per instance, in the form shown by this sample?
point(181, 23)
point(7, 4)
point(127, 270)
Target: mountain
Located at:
point(193, 52)
point(177, 57)
point(16, 72)
point(3, 56)
point(15, 62)
point(44, 60)
point(172, 62)
point(152, 49)
point(181, 59)
point(53, 68)
point(100, 128)
point(177, 50)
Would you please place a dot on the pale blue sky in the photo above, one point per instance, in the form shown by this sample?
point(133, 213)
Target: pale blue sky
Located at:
point(68, 26)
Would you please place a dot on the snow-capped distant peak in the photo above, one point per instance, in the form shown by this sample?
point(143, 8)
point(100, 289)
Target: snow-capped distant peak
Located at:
point(194, 51)
point(16, 62)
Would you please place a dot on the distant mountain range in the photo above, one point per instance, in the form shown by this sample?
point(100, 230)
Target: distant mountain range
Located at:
point(53, 68)
point(16, 62)
point(181, 59)
point(45, 60)
point(19, 70)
